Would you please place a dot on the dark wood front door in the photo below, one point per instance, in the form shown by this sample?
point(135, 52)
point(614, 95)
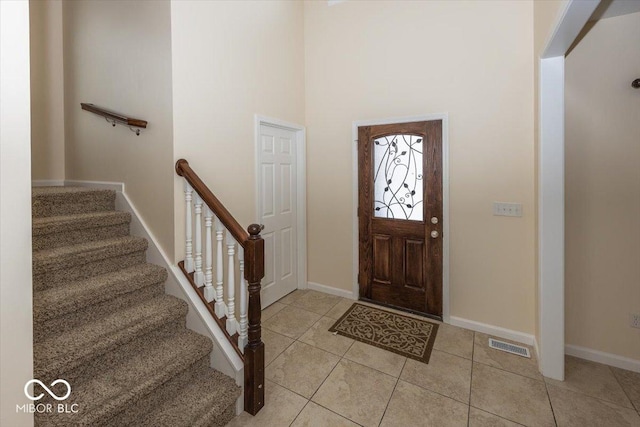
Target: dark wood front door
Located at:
point(400, 215)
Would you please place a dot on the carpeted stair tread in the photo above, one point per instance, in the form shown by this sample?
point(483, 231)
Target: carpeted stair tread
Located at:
point(55, 231)
point(141, 376)
point(54, 201)
point(82, 253)
point(201, 402)
point(53, 357)
point(63, 191)
point(62, 223)
point(81, 294)
point(103, 322)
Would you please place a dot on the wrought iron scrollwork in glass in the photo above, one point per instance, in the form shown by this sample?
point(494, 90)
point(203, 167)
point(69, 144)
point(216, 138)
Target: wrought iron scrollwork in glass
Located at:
point(398, 177)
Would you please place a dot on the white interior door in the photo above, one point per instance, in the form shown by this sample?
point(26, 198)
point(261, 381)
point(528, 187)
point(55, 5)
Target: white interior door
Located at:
point(278, 211)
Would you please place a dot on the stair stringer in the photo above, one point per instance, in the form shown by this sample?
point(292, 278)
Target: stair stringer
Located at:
point(223, 356)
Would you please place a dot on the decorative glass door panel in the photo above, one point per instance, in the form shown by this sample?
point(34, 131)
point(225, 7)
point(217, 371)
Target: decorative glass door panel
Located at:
point(397, 179)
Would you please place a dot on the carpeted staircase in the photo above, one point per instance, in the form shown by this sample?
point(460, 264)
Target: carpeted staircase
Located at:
point(103, 323)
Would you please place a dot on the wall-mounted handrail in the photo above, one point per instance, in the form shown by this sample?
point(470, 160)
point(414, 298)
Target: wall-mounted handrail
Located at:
point(243, 334)
point(115, 118)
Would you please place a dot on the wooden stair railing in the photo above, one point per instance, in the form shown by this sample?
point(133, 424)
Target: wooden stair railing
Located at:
point(243, 334)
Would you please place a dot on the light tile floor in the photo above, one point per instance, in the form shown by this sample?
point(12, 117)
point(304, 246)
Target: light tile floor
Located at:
point(315, 378)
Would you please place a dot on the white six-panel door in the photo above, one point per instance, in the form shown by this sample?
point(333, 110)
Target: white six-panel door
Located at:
point(277, 206)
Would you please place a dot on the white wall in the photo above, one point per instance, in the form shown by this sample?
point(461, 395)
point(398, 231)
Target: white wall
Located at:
point(117, 54)
point(16, 349)
point(47, 90)
point(232, 60)
point(602, 227)
point(474, 60)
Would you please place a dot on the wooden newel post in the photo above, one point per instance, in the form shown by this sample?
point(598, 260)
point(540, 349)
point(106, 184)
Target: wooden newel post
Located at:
point(254, 351)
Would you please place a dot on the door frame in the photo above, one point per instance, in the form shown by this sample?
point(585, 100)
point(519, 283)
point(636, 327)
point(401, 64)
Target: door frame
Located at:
point(445, 198)
point(551, 340)
point(301, 186)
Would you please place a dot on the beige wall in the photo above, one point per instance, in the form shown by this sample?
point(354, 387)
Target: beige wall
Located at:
point(546, 14)
point(16, 327)
point(118, 55)
point(47, 90)
point(232, 60)
point(472, 60)
point(602, 232)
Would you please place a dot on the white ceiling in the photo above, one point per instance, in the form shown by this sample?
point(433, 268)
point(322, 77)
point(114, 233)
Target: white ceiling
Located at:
point(611, 8)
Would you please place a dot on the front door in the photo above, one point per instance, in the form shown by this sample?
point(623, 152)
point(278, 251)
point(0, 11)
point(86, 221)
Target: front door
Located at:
point(277, 198)
point(400, 215)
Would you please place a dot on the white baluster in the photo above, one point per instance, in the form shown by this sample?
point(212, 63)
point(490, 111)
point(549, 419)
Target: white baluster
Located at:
point(209, 291)
point(188, 249)
point(231, 285)
point(220, 306)
point(198, 276)
point(242, 332)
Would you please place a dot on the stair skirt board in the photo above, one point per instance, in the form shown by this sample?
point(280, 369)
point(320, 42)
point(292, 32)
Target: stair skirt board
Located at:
point(111, 318)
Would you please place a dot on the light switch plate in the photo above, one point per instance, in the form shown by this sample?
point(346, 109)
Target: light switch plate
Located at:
point(507, 209)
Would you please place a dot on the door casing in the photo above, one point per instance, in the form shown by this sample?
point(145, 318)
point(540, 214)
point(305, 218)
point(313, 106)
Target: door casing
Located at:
point(301, 187)
point(445, 198)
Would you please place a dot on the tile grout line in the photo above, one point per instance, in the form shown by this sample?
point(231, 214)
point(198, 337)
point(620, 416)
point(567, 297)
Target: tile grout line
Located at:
point(325, 380)
point(510, 372)
point(432, 391)
point(453, 354)
point(375, 369)
point(553, 412)
point(581, 393)
point(283, 350)
point(502, 417)
point(623, 389)
point(334, 412)
point(298, 414)
point(392, 392)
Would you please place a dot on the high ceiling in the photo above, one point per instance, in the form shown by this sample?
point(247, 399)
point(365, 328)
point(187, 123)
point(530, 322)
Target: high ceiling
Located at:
point(611, 8)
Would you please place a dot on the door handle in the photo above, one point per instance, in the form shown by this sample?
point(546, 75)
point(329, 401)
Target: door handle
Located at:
point(434, 234)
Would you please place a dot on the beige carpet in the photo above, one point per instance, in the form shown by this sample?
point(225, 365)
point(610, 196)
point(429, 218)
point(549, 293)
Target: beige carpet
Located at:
point(404, 335)
point(103, 323)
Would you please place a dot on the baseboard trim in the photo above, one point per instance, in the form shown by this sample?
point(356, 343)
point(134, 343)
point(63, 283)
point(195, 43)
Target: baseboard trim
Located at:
point(102, 185)
point(47, 182)
point(330, 290)
point(496, 331)
point(602, 357)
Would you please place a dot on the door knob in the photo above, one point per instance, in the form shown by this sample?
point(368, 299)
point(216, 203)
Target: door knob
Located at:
point(434, 234)
point(434, 220)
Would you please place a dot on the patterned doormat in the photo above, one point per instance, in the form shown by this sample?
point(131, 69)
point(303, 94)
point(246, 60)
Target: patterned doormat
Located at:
point(407, 336)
